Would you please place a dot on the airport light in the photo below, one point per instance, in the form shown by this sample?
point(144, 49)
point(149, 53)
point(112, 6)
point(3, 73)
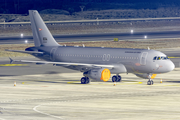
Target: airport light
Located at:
point(132, 31)
point(4, 23)
point(22, 35)
point(145, 36)
point(26, 41)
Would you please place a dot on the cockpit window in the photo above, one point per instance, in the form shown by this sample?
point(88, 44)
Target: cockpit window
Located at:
point(160, 58)
point(165, 58)
point(154, 58)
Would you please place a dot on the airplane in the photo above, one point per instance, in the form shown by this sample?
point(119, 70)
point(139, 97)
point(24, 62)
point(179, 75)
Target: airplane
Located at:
point(95, 63)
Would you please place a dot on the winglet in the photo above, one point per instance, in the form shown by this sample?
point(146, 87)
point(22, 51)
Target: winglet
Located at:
point(11, 60)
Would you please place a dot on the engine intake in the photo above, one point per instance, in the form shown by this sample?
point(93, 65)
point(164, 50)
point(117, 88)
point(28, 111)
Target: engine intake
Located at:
point(99, 74)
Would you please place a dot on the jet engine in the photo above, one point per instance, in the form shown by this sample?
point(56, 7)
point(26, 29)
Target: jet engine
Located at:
point(98, 74)
point(146, 76)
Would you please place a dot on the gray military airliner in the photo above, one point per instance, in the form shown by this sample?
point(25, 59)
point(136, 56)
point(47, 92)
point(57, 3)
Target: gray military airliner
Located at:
point(95, 63)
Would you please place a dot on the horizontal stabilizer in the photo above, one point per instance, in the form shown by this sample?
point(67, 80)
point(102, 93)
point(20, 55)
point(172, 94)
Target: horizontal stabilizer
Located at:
point(28, 52)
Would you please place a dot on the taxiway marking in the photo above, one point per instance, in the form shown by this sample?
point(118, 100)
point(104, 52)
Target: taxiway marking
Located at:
point(35, 109)
point(13, 65)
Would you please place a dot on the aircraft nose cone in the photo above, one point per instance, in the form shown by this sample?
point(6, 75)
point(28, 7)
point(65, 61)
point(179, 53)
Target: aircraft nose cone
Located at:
point(171, 66)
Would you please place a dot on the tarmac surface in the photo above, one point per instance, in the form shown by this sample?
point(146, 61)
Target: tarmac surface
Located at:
point(95, 37)
point(36, 92)
point(61, 96)
point(52, 92)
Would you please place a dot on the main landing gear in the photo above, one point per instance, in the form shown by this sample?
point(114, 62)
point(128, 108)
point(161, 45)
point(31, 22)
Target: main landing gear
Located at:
point(150, 81)
point(85, 80)
point(116, 78)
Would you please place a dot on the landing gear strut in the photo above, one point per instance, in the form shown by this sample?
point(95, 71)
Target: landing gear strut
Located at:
point(85, 80)
point(150, 81)
point(116, 78)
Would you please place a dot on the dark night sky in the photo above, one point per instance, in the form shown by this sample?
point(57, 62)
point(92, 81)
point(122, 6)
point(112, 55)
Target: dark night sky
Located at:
point(22, 6)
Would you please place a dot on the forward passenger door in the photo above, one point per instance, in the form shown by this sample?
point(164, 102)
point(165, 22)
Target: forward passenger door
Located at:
point(143, 58)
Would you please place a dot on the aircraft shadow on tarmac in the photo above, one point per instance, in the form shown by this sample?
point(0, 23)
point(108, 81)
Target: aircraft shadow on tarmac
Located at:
point(6, 75)
point(173, 81)
point(52, 72)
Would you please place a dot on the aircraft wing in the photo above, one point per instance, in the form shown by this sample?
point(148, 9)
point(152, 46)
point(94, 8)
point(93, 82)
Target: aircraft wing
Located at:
point(28, 52)
point(63, 63)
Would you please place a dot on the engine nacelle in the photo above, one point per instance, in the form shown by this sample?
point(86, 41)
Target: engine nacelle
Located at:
point(99, 74)
point(146, 76)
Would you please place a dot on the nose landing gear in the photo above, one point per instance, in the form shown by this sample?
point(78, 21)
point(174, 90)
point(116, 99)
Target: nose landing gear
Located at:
point(150, 81)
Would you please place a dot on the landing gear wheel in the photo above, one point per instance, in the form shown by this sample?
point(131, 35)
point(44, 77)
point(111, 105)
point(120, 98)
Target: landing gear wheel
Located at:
point(85, 80)
point(114, 78)
point(150, 82)
point(118, 78)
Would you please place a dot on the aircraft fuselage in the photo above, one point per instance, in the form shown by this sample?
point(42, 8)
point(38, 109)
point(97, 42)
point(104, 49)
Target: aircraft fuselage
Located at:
point(133, 60)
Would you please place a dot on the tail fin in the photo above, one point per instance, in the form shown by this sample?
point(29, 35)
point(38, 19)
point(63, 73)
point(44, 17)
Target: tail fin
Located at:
point(41, 34)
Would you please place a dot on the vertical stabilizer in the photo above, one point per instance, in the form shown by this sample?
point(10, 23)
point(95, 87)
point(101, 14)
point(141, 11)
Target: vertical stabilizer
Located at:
point(41, 34)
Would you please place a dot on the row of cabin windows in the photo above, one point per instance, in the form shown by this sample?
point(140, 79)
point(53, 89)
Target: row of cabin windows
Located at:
point(97, 56)
point(160, 58)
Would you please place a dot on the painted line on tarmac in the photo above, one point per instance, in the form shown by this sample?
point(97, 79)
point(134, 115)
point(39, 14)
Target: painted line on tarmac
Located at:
point(173, 57)
point(25, 83)
point(14, 65)
point(29, 83)
point(74, 82)
point(35, 109)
